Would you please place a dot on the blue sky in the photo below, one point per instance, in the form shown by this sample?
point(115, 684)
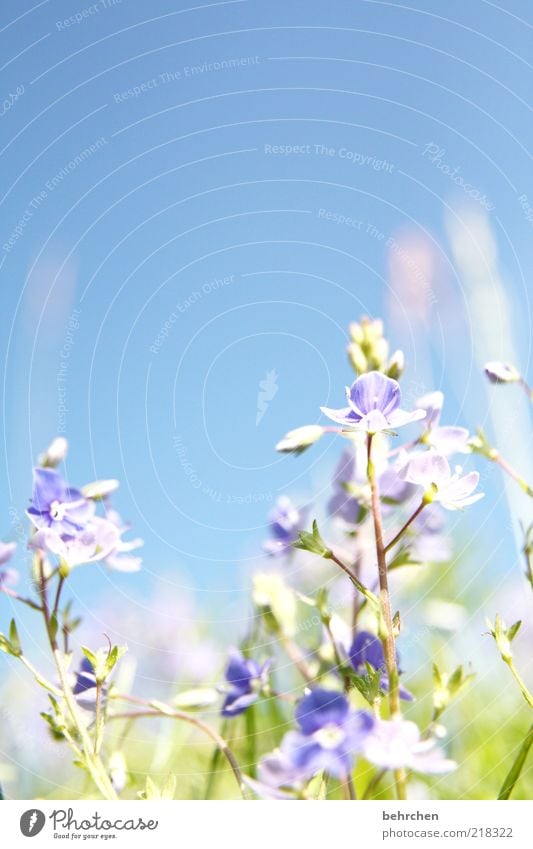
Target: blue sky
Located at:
point(196, 197)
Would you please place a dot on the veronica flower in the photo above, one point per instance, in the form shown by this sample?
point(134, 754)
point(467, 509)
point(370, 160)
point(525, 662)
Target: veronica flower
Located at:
point(329, 736)
point(397, 744)
point(120, 558)
point(373, 405)
point(84, 688)
point(56, 505)
point(285, 523)
point(446, 440)
point(95, 542)
point(432, 472)
point(246, 679)
point(8, 577)
point(367, 648)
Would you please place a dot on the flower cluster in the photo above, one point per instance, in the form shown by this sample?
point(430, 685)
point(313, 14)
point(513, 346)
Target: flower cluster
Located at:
point(67, 525)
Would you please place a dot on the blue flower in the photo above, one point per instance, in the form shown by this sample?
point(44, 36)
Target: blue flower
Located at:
point(56, 505)
point(373, 405)
point(329, 736)
point(446, 440)
point(246, 679)
point(84, 688)
point(285, 523)
point(367, 648)
point(7, 576)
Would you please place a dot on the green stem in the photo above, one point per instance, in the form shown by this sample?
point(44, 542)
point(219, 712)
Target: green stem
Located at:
point(192, 720)
point(514, 773)
point(386, 626)
point(497, 458)
point(355, 581)
point(94, 764)
point(525, 692)
point(99, 719)
point(409, 522)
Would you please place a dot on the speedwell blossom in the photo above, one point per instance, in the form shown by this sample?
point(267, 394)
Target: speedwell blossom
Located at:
point(397, 744)
point(246, 679)
point(56, 505)
point(432, 472)
point(95, 542)
point(120, 558)
point(447, 439)
point(7, 576)
point(373, 405)
point(329, 736)
point(84, 688)
point(367, 648)
point(285, 523)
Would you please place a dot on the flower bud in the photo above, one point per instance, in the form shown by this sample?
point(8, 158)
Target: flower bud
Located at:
point(396, 366)
point(357, 359)
point(55, 453)
point(296, 441)
point(501, 373)
point(99, 489)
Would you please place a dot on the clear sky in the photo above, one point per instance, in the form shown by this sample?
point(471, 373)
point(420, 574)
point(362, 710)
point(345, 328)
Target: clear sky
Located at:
point(195, 197)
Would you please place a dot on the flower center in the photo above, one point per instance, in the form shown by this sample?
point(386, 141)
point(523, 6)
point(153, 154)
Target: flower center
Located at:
point(330, 736)
point(57, 511)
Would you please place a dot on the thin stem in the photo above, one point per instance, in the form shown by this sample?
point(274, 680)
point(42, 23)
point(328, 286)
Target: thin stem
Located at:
point(192, 720)
point(294, 654)
point(99, 719)
point(17, 597)
point(92, 761)
point(374, 783)
point(527, 389)
point(40, 678)
point(386, 627)
point(403, 529)
point(525, 692)
point(355, 581)
point(60, 583)
point(352, 795)
point(497, 458)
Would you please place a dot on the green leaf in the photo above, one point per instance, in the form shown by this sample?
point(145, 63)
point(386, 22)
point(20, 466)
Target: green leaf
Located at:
point(16, 648)
point(113, 657)
point(169, 788)
point(91, 657)
point(514, 773)
point(313, 543)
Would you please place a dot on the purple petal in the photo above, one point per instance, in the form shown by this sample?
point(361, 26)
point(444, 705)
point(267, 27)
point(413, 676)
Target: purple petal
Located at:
point(321, 707)
point(375, 391)
point(344, 416)
point(450, 440)
point(399, 418)
point(427, 468)
point(7, 550)
point(432, 403)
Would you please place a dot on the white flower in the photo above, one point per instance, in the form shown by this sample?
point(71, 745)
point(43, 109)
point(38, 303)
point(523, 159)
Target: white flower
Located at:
point(431, 471)
point(397, 744)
